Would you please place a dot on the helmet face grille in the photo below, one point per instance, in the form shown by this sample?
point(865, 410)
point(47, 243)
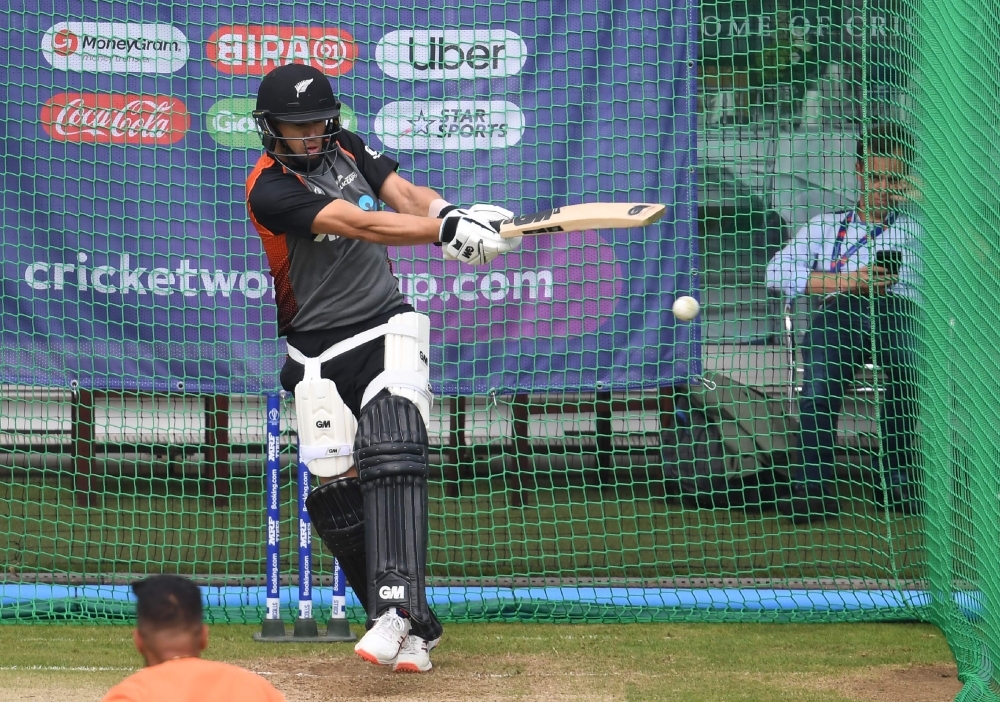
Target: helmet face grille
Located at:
point(278, 146)
point(297, 94)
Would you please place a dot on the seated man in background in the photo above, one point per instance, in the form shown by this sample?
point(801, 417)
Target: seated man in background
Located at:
point(170, 635)
point(860, 265)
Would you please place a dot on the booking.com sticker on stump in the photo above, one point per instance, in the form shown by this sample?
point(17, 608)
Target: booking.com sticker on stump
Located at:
point(557, 285)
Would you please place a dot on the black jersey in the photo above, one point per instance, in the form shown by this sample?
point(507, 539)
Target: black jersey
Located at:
point(323, 281)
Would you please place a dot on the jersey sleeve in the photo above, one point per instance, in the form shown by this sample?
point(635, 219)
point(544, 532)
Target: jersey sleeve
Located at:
point(791, 267)
point(374, 166)
point(283, 204)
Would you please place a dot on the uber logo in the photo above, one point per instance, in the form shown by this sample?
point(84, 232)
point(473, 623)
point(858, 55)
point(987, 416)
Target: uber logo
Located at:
point(453, 53)
point(392, 592)
point(441, 56)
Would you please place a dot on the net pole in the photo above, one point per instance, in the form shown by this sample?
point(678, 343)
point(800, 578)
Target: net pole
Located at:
point(272, 627)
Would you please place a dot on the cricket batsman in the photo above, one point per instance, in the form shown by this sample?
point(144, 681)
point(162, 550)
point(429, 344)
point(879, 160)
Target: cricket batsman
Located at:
point(357, 352)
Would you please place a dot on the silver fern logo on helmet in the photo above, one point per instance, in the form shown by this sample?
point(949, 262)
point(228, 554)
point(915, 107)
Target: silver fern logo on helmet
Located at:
point(301, 86)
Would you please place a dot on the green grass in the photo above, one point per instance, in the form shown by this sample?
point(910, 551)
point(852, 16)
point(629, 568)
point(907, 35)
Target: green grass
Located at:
point(694, 663)
point(617, 531)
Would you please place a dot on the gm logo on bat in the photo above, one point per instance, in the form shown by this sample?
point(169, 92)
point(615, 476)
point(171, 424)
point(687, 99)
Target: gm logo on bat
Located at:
point(536, 216)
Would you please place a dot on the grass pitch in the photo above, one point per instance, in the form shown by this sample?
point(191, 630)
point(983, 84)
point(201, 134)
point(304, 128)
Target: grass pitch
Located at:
point(487, 662)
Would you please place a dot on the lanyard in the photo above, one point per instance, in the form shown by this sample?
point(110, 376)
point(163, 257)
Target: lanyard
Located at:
point(837, 260)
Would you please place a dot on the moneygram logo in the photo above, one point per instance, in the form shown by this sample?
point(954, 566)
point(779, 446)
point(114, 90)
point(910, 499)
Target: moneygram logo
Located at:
point(114, 119)
point(115, 47)
point(230, 122)
point(255, 51)
point(450, 125)
point(65, 43)
point(452, 53)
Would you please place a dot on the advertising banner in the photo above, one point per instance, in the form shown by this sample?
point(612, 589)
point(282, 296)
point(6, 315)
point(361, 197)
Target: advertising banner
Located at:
point(128, 258)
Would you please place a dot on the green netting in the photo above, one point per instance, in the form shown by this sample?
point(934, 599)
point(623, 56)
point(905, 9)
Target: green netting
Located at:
point(959, 327)
point(618, 502)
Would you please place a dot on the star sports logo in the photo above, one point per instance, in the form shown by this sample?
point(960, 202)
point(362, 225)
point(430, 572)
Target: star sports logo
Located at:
point(115, 47)
point(255, 51)
point(450, 124)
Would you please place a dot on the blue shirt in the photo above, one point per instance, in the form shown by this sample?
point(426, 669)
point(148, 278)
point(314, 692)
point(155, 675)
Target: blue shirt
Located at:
point(811, 251)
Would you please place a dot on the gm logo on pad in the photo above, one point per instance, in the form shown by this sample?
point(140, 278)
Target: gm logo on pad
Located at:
point(392, 592)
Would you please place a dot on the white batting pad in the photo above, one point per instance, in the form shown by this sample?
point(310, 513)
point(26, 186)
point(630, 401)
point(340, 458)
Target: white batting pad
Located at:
point(407, 362)
point(326, 428)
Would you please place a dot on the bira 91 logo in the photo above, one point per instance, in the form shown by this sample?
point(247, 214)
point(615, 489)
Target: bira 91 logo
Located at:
point(115, 47)
point(255, 51)
point(450, 125)
point(115, 119)
point(451, 53)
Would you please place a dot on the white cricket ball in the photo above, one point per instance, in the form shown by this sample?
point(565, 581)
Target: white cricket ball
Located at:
point(686, 308)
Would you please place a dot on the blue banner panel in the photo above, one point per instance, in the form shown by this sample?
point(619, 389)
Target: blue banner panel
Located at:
point(128, 259)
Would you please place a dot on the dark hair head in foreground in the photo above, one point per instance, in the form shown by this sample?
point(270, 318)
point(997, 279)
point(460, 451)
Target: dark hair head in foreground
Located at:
point(169, 618)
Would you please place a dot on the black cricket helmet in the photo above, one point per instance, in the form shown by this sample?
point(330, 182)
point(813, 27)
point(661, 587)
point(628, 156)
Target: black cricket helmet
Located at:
point(298, 94)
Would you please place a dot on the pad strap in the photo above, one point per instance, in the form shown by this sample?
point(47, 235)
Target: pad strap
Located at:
point(398, 378)
point(312, 364)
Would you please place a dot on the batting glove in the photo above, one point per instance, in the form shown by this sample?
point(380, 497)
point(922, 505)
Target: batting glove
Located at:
point(491, 212)
point(472, 238)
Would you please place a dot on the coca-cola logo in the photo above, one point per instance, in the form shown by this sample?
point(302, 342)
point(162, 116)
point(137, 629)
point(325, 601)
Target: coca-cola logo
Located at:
point(259, 50)
point(115, 119)
point(64, 42)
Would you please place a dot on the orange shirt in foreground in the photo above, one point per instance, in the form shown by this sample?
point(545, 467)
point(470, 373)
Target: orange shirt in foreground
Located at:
point(194, 680)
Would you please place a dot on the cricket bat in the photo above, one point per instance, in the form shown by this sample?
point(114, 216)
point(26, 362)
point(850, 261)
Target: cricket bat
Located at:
point(577, 218)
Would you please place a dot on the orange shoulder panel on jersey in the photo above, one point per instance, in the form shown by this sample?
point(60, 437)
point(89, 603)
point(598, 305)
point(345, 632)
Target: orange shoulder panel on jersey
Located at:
point(263, 163)
point(276, 249)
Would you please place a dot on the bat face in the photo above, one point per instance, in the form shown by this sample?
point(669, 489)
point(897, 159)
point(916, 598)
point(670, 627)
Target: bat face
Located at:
point(574, 218)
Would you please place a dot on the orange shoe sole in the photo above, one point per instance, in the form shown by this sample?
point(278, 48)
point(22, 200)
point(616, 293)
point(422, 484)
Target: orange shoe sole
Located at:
point(409, 668)
point(371, 658)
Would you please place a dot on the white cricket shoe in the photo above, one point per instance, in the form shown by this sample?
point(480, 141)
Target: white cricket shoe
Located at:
point(414, 655)
point(381, 644)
